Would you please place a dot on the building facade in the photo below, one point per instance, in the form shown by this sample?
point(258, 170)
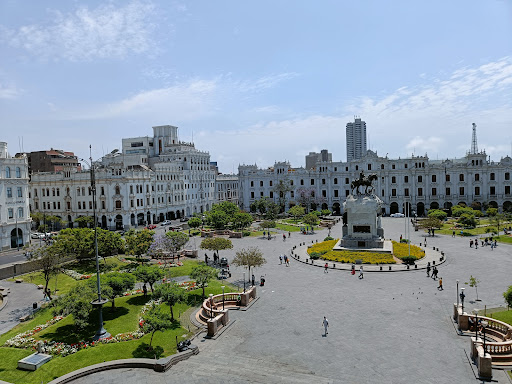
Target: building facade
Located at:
point(53, 160)
point(312, 158)
point(150, 180)
point(15, 219)
point(356, 139)
point(409, 185)
point(226, 188)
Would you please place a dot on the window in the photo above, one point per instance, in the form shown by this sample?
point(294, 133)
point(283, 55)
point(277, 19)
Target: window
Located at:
point(507, 175)
point(392, 166)
point(20, 213)
point(10, 213)
point(447, 177)
point(68, 205)
point(37, 205)
point(507, 189)
point(335, 193)
point(18, 172)
point(270, 183)
point(323, 181)
point(448, 192)
point(493, 176)
point(291, 182)
point(118, 204)
point(53, 191)
point(118, 190)
point(347, 192)
point(292, 194)
point(324, 193)
point(477, 191)
point(393, 192)
point(54, 206)
point(58, 191)
point(35, 192)
point(357, 167)
point(79, 205)
point(434, 178)
point(7, 172)
point(382, 166)
point(420, 191)
point(9, 192)
point(406, 179)
point(90, 204)
point(461, 191)
point(77, 191)
point(20, 192)
point(393, 179)
point(131, 189)
point(252, 195)
point(406, 166)
point(434, 191)
point(261, 194)
point(335, 180)
point(252, 183)
point(420, 179)
point(406, 192)
point(271, 194)
point(461, 177)
point(312, 181)
point(477, 177)
point(369, 167)
point(492, 190)
point(102, 191)
point(261, 183)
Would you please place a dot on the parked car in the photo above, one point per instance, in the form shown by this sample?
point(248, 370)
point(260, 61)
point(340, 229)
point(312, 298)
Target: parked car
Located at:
point(224, 263)
point(166, 222)
point(183, 219)
point(36, 235)
point(151, 226)
point(397, 215)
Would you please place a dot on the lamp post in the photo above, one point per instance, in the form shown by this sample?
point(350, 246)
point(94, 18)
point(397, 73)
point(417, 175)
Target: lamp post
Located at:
point(462, 296)
point(110, 223)
point(244, 282)
point(101, 333)
point(457, 295)
point(484, 326)
point(211, 305)
point(17, 235)
point(223, 297)
point(476, 323)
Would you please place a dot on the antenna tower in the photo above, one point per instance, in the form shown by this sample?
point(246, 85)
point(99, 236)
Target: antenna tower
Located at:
point(474, 145)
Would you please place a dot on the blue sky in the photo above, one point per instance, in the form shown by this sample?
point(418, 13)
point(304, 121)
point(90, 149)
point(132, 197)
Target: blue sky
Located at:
point(258, 82)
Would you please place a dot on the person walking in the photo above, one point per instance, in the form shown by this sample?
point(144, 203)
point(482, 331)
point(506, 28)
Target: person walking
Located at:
point(325, 323)
point(145, 290)
point(284, 237)
point(440, 287)
point(289, 234)
point(253, 279)
point(280, 259)
point(428, 269)
point(453, 234)
point(476, 244)
point(470, 243)
point(361, 272)
point(325, 268)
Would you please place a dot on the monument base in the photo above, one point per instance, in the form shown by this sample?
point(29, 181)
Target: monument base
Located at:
point(354, 246)
point(33, 361)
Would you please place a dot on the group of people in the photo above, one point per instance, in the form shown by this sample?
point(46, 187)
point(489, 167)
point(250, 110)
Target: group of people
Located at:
point(484, 242)
point(434, 275)
point(285, 259)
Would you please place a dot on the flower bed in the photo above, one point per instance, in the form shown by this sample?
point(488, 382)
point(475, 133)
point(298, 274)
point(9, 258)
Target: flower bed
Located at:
point(188, 285)
point(365, 257)
point(75, 275)
point(402, 250)
point(323, 247)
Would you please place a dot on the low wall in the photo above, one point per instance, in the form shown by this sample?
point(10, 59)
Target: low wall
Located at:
point(22, 268)
point(482, 359)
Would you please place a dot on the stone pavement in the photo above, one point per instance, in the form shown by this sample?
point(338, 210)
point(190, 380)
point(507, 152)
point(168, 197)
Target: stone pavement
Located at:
point(386, 328)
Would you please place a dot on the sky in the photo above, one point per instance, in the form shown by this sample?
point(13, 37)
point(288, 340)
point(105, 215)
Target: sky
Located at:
point(258, 82)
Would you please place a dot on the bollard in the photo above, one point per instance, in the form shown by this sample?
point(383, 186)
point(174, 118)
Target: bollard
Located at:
point(380, 267)
point(390, 267)
point(311, 241)
point(437, 249)
point(433, 262)
point(333, 265)
point(298, 257)
point(441, 258)
point(408, 266)
point(415, 266)
point(317, 240)
point(420, 244)
point(434, 248)
point(442, 253)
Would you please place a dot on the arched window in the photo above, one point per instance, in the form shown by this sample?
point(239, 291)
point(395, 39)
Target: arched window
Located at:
point(7, 172)
point(118, 190)
point(18, 172)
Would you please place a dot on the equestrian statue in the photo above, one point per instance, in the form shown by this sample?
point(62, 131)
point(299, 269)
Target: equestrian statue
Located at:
point(365, 182)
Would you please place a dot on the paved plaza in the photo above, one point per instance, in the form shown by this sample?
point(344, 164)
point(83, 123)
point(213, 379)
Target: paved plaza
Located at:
point(390, 327)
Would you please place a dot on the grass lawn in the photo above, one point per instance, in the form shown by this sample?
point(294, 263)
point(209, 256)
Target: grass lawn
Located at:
point(505, 316)
point(260, 233)
point(63, 282)
point(184, 270)
point(88, 267)
point(504, 239)
point(287, 228)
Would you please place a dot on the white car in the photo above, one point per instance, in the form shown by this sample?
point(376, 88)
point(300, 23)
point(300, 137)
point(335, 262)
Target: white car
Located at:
point(166, 222)
point(397, 215)
point(36, 235)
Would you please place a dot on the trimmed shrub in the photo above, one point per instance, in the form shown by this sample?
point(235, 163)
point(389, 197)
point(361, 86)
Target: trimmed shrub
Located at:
point(246, 233)
point(315, 255)
point(328, 238)
point(409, 260)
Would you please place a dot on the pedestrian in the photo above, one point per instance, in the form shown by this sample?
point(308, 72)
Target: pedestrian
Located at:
point(429, 231)
point(325, 323)
point(287, 261)
point(470, 243)
point(289, 234)
point(361, 272)
point(428, 269)
point(284, 237)
point(476, 244)
point(353, 272)
point(280, 259)
point(425, 241)
point(495, 243)
point(453, 234)
point(400, 238)
point(325, 268)
point(253, 279)
point(145, 290)
point(264, 233)
point(492, 246)
point(440, 288)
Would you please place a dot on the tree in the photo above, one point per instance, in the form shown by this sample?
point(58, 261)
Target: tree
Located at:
point(272, 210)
point(217, 218)
point(296, 211)
point(202, 274)
point(195, 222)
point(76, 302)
point(109, 243)
point(84, 221)
point(154, 320)
point(267, 224)
point(458, 210)
point(149, 274)
point(177, 241)
point(242, 220)
point(47, 260)
point(430, 222)
point(159, 247)
point(216, 244)
point(325, 212)
point(508, 296)
point(281, 189)
point(250, 257)
point(138, 242)
point(473, 283)
point(305, 196)
point(119, 283)
point(498, 220)
point(467, 220)
point(76, 241)
point(310, 219)
point(170, 294)
point(438, 214)
point(491, 211)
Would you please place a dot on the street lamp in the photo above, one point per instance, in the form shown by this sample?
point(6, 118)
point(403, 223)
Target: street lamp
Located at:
point(484, 325)
point(211, 305)
point(462, 296)
point(222, 297)
point(476, 323)
point(457, 295)
point(244, 282)
point(101, 333)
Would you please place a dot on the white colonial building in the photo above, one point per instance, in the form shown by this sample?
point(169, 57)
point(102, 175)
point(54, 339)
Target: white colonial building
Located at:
point(14, 200)
point(226, 188)
point(416, 183)
point(151, 179)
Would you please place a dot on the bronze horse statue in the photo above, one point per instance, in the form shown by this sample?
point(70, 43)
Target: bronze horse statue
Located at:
point(365, 182)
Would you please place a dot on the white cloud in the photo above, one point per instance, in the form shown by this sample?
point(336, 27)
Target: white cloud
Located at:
point(419, 145)
point(87, 34)
point(9, 92)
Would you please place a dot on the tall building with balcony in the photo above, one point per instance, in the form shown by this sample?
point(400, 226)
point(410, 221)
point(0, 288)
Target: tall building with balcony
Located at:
point(14, 200)
point(53, 160)
point(356, 139)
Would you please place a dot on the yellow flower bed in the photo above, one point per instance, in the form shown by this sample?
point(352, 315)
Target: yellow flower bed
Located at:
point(365, 257)
point(401, 250)
point(323, 247)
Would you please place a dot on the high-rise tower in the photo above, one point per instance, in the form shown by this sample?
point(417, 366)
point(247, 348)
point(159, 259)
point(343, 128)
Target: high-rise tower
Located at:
point(356, 139)
point(474, 145)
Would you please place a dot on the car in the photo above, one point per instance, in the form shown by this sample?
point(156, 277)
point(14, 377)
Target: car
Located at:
point(151, 226)
point(223, 262)
point(397, 215)
point(166, 222)
point(36, 235)
point(183, 219)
